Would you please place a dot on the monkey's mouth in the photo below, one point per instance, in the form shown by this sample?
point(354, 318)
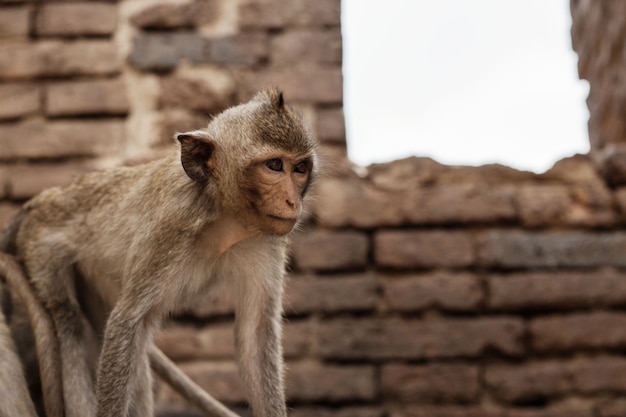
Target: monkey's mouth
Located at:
point(283, 219)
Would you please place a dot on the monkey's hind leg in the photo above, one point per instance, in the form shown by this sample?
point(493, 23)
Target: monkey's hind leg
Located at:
point(14, 396)
point(53, 281)
point(46, 345)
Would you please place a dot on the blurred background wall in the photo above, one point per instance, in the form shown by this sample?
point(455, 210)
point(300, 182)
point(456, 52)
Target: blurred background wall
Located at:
point(417, 289)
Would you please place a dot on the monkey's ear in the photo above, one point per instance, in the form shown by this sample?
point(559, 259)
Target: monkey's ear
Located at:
point(197, 154)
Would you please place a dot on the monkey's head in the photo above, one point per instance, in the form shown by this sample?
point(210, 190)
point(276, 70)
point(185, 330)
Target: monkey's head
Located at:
point(259, 156)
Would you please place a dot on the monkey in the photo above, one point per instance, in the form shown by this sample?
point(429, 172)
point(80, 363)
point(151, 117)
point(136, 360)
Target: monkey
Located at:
point(45, 346)
point(153, 238)
point(13, 383)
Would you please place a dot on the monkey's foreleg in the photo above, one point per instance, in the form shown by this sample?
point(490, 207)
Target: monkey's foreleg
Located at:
point(171, 374)
point(45, 338)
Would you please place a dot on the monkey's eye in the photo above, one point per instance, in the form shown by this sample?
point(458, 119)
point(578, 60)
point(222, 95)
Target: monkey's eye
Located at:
point(275, 164)
point(301, 168)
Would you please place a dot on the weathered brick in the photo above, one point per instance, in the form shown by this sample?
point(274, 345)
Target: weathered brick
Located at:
point(195, 93)
point(245, 49)
point(221, 379)
point(538, 381)
point(190, 343)
point(612, 408)
point(578, 331)
point(446, 383)
point(363, 411)
point(461, 203)
point(442, 290)
point(19, 100)
point(330, 125)
point(176, 16)
point(326, 250)
point(556, 290)
point(307, 45)
point(413, 339)
point(7, 211)
point(515, 248)
point(163, 51)
point(423, 248)
point(270, 14)
point(317, 12)
point(14, 22)
point(306, 83)
point(558, 410)
point(58, 58)
point(336, 294)
point(38, 139)
point(172, 120)
point(27, 180)
point(308, 381)
point(353, 202)
point(87, 97)
point(543, 205)
point(81, 18)
point(297, 338)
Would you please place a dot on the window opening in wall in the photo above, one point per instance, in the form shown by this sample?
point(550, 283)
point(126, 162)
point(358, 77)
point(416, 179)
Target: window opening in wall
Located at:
point(463, 82)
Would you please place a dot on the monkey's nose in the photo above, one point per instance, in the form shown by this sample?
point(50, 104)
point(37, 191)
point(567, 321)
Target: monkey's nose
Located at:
point(290, 203)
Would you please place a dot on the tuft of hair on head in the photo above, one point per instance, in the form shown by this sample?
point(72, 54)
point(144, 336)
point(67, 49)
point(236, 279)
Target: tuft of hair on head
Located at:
point(271, 95)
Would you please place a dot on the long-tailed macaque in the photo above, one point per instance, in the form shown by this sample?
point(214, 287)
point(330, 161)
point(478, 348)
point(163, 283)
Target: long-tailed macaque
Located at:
point(150, 239)
point(29, 324)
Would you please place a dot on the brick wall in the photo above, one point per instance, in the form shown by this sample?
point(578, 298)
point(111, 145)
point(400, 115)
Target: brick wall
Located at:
point(416, 289)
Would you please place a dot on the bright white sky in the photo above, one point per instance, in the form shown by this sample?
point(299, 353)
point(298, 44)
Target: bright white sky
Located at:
point(466, 82)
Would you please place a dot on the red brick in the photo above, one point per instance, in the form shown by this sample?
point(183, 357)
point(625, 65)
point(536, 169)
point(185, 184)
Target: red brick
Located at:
point(14, 22)
point(57, 58)
point(19, 100)
point(515, 249)
point(307, 45)
point(538, 381)
point(81, 18)
point(27, 180)
point(58, 139)
point(431, 383)
point(556, 290)
point(414, 339)
point(578, 331)
point(333, 383)
point(442, 290)
point(330, 125)
point(423, 249)
point(326, 250)
point(349, 411)
point(331, 294)
point(87, 97)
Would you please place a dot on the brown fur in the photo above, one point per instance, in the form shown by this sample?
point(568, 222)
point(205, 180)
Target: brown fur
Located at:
point(149, 239)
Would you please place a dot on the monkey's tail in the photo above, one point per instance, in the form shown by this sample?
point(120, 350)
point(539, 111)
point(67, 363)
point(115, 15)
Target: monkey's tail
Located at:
point(9, 234)
point(45, 340)
point(171, 374)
